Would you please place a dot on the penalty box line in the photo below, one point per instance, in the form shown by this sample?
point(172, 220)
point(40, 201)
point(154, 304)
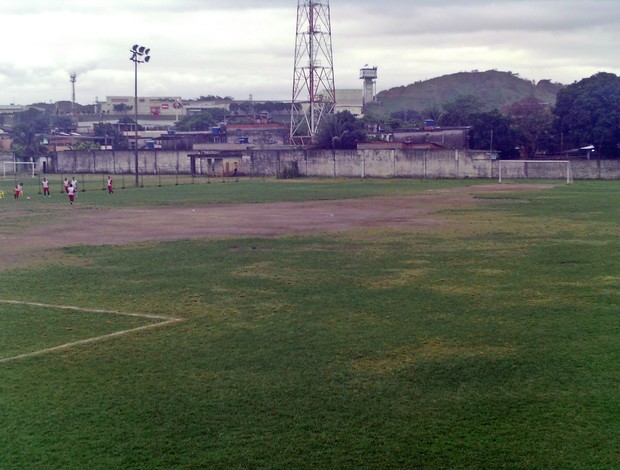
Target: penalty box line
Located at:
point(164, 321)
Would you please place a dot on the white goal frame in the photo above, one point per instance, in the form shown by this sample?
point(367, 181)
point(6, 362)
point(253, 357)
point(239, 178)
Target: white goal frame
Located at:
point(569, 169)
point(14, 164)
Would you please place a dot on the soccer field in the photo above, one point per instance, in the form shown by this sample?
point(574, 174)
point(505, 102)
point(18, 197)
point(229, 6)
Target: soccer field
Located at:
point(312, 324)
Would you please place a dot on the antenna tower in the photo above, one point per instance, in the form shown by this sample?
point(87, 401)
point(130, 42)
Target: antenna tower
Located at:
point(314, 92)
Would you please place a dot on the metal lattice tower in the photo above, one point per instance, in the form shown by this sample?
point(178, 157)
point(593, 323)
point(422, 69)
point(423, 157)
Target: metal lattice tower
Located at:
point(314, 92)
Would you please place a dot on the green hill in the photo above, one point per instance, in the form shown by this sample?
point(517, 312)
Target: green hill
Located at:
point(496, 89)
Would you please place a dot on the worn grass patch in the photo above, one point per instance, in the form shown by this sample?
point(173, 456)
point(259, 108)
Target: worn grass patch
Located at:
point(428, 350)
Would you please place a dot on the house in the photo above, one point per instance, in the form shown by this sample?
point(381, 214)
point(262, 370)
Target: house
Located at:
point(259, 133)
point(427, 137)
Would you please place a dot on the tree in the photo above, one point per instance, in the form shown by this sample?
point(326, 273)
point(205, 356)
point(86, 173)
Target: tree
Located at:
point(242, 107)
point(394, 124)
point(493, 131)
point(405, 118)
point(27, 133)
point(63, 123)
point(433, 112)
point(588, 113)
point(534, 122)
point(202, 121)
point(341, 131)
point(459, 111)
point(211, 98)
point(273, 106)
point(111, 136)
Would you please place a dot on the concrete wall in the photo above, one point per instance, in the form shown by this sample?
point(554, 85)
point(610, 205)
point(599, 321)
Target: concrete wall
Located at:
point(596, 169)
point(116, 162)
point(390, 163)
point(410, 163)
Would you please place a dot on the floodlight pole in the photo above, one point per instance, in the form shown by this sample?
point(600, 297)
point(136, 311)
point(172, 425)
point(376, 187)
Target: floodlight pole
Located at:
point(135, 125)
point(137, 52)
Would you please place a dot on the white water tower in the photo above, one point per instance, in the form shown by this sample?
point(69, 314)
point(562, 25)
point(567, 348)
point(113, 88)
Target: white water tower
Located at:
point(369, 75)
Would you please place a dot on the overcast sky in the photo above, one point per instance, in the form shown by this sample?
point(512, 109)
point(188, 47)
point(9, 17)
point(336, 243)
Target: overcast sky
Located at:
point(240, 48)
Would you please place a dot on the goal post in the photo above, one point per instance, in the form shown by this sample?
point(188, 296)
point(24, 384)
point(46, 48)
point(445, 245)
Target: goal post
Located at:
point(13, 168)
point(540, 169)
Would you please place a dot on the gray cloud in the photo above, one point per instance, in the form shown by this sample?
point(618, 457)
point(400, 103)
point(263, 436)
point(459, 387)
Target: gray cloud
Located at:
point(242, 47)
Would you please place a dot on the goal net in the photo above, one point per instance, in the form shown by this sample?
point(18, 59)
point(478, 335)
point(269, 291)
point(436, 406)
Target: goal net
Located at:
point(535, 169)
point(18, 168)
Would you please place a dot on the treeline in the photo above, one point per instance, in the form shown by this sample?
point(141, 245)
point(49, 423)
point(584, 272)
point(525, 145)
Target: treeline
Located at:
point(585, 113)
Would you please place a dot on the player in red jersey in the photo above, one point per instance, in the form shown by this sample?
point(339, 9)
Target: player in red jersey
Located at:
point(46, 187)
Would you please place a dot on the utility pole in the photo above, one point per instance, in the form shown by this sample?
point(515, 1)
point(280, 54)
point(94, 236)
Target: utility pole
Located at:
point(74, 120)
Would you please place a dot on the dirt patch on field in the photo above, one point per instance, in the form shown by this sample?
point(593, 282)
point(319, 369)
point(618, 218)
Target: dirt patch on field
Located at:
point(111, 227)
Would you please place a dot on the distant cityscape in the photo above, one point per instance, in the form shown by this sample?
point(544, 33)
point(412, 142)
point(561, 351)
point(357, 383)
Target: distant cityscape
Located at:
point(163, 112)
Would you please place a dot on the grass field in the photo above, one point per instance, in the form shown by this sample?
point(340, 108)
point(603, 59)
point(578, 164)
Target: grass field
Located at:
point(491, 340)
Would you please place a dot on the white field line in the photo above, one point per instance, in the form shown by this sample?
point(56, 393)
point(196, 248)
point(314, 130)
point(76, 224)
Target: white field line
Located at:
point(164, 321)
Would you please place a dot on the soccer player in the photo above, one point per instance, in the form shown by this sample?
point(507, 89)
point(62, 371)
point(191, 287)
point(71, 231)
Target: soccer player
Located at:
point(66, 183)
point(110, 190)
point(71, 193)
point(46, 187)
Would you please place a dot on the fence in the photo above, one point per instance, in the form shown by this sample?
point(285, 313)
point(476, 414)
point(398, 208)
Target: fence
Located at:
point(99, 182)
